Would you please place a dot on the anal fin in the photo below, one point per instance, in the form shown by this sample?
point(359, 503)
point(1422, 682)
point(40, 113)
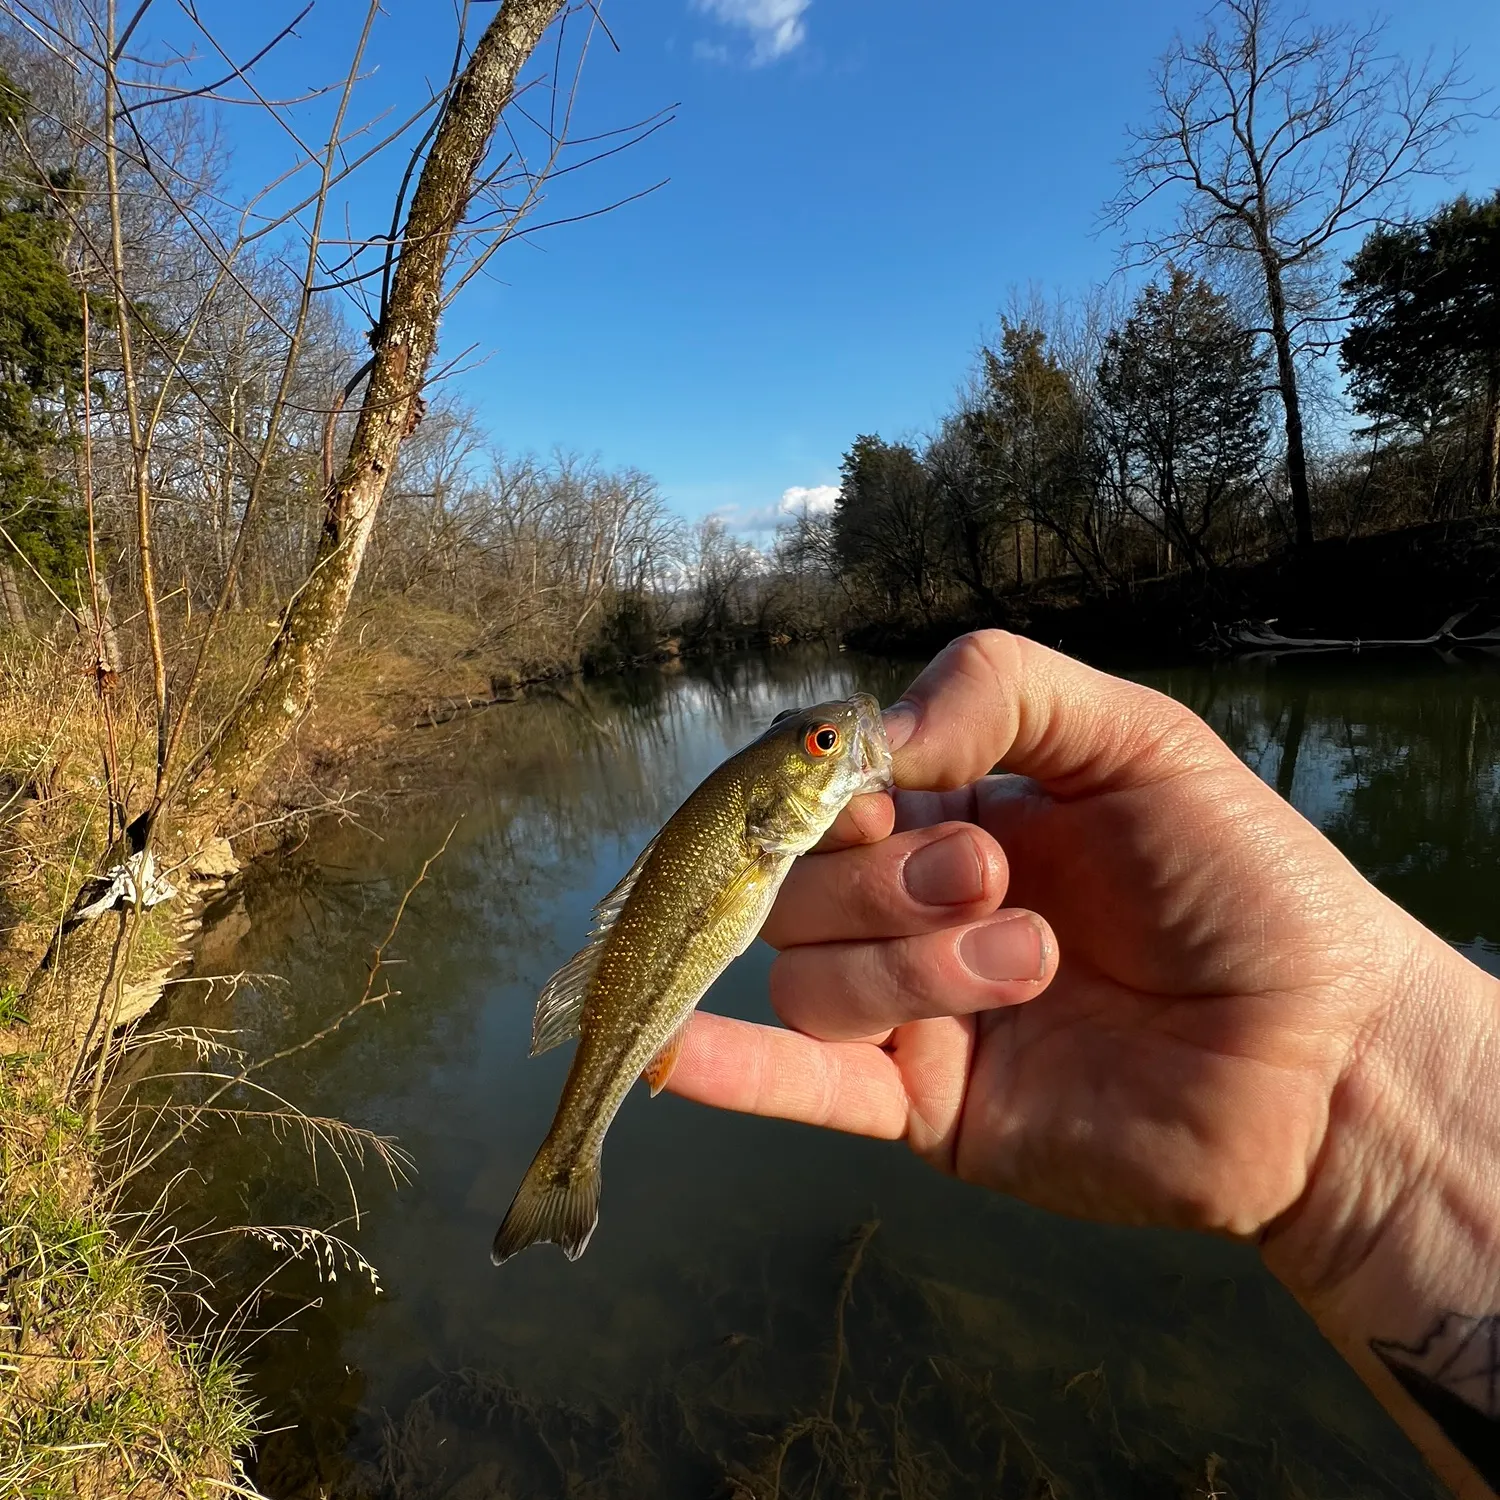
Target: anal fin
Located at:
point(659, 1069)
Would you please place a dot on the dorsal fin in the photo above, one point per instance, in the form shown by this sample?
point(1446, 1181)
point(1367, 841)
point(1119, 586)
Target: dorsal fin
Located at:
point(560, 1005)
point(609, 905)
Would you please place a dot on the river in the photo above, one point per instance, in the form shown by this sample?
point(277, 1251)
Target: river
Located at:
point(765, 1309)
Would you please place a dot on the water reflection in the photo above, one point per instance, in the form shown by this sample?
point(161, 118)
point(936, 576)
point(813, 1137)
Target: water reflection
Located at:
point(733, 1329)
point(1399, 763)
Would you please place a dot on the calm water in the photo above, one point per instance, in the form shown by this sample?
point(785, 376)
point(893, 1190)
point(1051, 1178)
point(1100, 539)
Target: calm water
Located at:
point(764, 1309)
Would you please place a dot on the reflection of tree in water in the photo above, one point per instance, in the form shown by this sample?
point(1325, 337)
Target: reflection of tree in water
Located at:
point(1421, 814)
point(1397, 761)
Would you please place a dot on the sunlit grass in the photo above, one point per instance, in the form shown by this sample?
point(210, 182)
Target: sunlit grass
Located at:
point(100, 1394)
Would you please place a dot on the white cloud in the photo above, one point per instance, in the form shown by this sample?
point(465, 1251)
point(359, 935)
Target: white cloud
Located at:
point(798, 500)
point(776, 26)
point(809, 500)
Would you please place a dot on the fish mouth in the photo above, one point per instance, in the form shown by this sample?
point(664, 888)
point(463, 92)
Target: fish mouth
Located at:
point(872, 749)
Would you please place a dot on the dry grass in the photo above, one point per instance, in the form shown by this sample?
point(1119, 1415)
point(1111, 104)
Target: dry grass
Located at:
point(102, 1391)
point(396, 663)
point(100, 1394)
point(53, 815)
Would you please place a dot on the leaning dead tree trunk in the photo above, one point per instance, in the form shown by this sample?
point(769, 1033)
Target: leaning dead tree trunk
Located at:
point(82, 971)
point(404, 343)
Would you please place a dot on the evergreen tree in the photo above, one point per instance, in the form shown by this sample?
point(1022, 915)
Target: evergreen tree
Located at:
point(1035, 420)
point(1423, 345)
point(1182, 411)
point(41, 358)
point(885, 526)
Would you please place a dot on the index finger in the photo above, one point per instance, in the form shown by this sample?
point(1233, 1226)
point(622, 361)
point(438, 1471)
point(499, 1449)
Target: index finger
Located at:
point(993, 699)
point(866, 819)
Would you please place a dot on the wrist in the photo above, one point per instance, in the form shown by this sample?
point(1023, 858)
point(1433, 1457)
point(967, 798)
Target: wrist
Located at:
point(1394, 1247)
point(1407, 1176)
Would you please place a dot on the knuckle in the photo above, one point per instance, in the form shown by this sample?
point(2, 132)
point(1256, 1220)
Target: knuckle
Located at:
point(1171, 734)
point(911, 974)
point(982, 653)
point(873, 888)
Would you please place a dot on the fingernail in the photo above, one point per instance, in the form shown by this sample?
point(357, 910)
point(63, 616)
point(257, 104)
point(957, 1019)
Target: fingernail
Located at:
point(947, 873)
point(1010, 947)
point(900, 722)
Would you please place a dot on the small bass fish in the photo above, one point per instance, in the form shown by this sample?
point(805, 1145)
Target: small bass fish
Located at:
point(692, 902)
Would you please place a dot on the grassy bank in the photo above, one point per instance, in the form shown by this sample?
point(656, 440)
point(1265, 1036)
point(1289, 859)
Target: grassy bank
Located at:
point(101, 1394)
point(104, 1391)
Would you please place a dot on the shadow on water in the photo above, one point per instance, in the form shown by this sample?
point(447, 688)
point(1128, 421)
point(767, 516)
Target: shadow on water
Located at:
point(740, 1326)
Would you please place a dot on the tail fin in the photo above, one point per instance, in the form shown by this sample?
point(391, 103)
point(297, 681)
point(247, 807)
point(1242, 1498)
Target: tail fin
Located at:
point(556, 1204)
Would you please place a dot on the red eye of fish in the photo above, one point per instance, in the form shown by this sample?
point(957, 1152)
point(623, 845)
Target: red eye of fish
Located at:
point(823, 740)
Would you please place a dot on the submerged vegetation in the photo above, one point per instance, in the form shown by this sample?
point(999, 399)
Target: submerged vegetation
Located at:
point(919, 1389)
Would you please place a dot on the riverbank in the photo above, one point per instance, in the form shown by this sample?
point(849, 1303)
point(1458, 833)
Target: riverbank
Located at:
point(104, 1391)
point(101, 1392)
point(1399, 585)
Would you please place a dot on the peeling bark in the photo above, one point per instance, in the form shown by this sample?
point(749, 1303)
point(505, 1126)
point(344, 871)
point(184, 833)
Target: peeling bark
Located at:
point(15, 608)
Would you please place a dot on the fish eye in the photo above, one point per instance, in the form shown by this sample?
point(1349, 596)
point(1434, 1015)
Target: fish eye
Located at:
point(822, 740)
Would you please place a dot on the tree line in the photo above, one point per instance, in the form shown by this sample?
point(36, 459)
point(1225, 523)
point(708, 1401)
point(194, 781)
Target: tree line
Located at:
point(240, 383)
point(157, 361)
point(1306, 360)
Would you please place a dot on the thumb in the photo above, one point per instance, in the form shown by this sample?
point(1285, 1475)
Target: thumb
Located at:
point(991, 700)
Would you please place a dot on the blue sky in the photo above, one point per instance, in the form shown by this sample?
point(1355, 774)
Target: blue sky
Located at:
point(852, 189)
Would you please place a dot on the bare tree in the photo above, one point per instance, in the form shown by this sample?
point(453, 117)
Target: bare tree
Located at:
point(460, 207)
point(1277, 136)
point(723, 569)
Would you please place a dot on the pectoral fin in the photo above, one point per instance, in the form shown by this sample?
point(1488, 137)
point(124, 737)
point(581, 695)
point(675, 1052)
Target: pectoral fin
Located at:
point(659, 1069)
point(745, 902)
point(741, 908)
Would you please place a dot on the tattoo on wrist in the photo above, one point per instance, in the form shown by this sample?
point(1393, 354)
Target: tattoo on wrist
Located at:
point(1453, 1374)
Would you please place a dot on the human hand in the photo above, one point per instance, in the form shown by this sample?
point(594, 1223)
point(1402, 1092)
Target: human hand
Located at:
point(1160, 1029)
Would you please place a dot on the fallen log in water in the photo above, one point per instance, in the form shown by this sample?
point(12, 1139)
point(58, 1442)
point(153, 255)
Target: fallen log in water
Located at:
point(1259, 639)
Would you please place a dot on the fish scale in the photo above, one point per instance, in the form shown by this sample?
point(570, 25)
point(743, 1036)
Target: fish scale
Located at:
point(694, 900)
